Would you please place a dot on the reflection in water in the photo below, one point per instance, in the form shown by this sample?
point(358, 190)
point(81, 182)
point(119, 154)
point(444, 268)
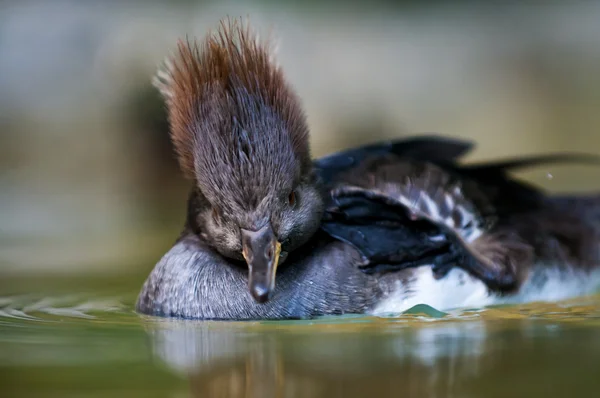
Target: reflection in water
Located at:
point(462, 358)
point(237, 362)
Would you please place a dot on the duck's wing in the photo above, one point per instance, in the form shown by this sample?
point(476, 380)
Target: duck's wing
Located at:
point(432, 148)
point(382, 231)
point(401, 214)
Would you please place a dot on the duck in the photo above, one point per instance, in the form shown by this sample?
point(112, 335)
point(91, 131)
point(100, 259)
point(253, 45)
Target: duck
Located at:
point(271, 233)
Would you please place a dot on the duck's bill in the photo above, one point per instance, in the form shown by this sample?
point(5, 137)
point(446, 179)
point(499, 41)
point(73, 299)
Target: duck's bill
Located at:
point(261, 251)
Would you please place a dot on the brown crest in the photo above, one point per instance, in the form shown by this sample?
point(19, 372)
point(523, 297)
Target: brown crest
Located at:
point(201, 85)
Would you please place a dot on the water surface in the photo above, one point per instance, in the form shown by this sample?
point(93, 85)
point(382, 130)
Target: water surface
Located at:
point(81, 338)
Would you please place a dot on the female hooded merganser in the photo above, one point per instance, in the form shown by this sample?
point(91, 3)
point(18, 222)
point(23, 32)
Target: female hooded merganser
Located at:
point(258, 202)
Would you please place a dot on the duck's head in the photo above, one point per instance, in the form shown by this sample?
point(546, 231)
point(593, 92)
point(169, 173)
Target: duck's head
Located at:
point(242, 137)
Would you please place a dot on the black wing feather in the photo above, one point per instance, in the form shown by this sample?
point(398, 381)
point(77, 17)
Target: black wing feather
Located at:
point(435, 149)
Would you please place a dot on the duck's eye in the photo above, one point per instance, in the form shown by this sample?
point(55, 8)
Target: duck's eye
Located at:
point(216, 215)
point(292, 199)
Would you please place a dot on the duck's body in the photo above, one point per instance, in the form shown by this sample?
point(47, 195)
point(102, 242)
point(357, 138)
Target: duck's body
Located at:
point(327, 276)
point(323, 278)
point(397, 219)
point(191, 282)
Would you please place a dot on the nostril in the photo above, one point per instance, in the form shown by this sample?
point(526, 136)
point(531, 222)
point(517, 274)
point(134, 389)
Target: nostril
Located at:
point(269, 253)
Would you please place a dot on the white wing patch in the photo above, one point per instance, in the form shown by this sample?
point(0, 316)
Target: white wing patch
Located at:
point(434, 197)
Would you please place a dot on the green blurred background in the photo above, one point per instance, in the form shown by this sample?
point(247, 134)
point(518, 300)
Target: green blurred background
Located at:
point(88, 182)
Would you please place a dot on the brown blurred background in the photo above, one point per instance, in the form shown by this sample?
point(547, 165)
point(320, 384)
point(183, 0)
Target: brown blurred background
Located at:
point(88, 182)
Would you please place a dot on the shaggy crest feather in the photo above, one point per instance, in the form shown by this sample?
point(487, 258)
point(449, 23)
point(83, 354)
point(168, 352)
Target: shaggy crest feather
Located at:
point(236, 125)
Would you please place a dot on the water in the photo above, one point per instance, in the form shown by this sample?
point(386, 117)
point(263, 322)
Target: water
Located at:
point(75, 338)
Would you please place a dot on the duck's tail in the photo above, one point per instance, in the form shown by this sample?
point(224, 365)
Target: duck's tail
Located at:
point(574, 221)
point(586, 206)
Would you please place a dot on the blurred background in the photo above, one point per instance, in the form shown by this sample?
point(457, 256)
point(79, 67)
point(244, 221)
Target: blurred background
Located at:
point(88, 181)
